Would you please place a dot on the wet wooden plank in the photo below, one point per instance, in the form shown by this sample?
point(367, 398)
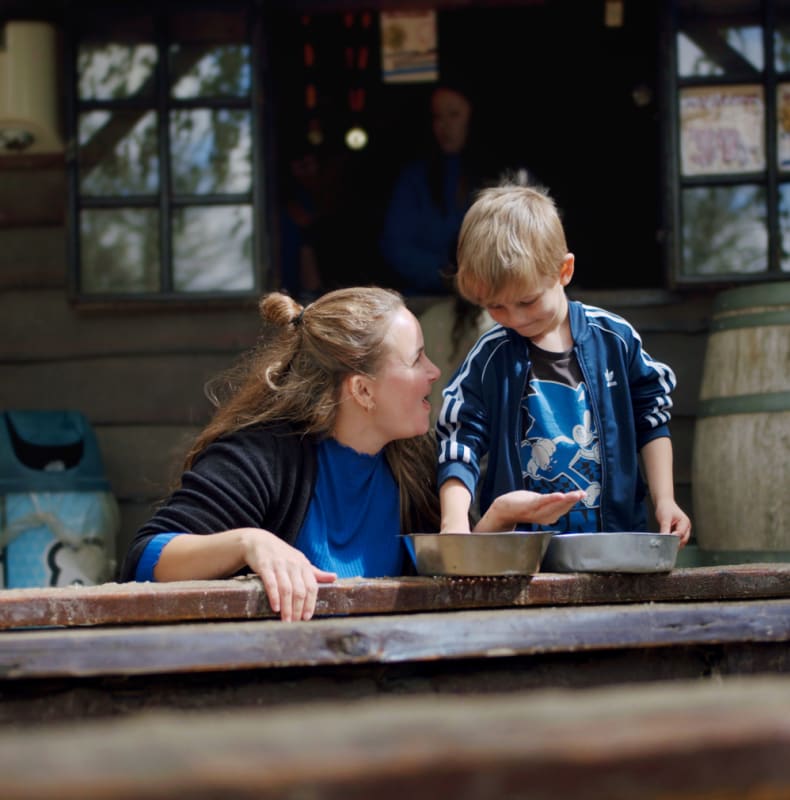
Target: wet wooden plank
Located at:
point(128, 388)
point(32, 260)
point(386, 639)
point(243, 598)
point(32, 194)
point(687, 740)
point(45, 326)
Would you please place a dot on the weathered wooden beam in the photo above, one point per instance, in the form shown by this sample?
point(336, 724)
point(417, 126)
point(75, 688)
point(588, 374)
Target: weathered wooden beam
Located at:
point(687, 740)
point(244, 598)
point(195, 647)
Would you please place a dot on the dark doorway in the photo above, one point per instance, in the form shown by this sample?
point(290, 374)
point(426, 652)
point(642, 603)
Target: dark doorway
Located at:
point(556, 90)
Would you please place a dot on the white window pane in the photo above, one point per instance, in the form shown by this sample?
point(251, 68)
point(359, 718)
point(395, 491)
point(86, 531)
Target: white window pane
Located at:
point(119, 250)
point(724, 230)
point(212, 249)
point(111, 71)
point(118, 153)
point(211, 151)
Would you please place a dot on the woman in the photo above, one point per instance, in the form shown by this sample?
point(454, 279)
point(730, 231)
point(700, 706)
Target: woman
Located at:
point(430, 197)
point(316, 460)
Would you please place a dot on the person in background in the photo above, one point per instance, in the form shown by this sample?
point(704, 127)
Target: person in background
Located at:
point(303, 204)
point(318, 456)
point(314, 209)
point(559, 395)
point(430, 197)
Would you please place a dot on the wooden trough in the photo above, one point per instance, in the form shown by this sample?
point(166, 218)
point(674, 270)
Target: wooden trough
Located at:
point(82, 652)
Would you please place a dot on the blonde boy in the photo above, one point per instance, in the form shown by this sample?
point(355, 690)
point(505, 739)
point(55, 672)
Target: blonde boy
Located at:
point(559, 395)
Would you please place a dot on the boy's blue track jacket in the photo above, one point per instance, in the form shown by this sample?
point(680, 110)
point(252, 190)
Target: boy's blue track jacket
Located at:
point(629, 393)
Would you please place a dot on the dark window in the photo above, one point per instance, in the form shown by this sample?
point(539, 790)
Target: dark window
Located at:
point(162, 167)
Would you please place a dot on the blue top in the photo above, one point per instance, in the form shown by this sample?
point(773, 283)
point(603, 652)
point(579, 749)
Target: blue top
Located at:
point(150, 557)
point(352, 523)
point(418, 238)
point(628, 393)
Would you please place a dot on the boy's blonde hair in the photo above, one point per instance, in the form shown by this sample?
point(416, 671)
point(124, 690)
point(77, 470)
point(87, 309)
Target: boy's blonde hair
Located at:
point(511, 240)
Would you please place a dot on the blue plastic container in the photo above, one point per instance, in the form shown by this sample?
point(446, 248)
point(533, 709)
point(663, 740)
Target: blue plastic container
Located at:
point(58, 517)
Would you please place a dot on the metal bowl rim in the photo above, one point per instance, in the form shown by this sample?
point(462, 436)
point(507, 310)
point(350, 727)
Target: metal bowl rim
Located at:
point(482, 534)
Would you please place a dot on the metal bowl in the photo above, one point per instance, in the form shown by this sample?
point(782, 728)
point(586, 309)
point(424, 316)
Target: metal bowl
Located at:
point(501, 553)
point(611, 552)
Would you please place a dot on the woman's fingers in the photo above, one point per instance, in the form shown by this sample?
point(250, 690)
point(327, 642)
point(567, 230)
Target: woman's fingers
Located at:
point(289, 579)
point(546, 509)
point(297, 588)
point(319, 576)
point(556, 505)
point(270, 586)
point(285, 590)
point(300, 592)
point(522, 506)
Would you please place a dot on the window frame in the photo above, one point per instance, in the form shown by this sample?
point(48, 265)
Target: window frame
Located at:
point(769, 179)
point(165, 200)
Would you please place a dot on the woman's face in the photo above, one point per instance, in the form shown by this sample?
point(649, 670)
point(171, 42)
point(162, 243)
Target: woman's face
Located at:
point(450, 112)
point(402, 386)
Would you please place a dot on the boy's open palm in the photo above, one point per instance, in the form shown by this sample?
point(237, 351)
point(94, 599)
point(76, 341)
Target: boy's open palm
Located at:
point(524, 506)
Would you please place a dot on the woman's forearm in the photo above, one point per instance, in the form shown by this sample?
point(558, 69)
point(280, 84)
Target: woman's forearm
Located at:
point(201, 556)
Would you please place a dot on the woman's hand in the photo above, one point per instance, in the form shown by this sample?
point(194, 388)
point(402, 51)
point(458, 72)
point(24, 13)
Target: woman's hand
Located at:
point(508, 510)
point(289, 579)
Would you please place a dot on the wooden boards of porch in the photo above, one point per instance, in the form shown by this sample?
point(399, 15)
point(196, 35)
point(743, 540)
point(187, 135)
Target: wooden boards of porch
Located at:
point(687, 740)
point(244, 598)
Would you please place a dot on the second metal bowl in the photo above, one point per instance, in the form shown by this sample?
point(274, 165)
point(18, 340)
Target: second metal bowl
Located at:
point(611, 552)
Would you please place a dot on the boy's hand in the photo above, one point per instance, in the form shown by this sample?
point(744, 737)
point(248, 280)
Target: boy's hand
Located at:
point(672, 519)
point(524, 506)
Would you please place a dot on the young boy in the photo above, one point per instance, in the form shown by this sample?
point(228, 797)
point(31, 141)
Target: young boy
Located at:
point(559, 395)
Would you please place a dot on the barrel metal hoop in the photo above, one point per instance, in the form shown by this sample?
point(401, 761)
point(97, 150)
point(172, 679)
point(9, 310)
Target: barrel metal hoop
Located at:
point(768, 402)
point(760, 294)
point(755, 319)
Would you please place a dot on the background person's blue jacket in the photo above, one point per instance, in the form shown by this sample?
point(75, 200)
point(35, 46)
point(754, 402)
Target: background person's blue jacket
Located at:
point(629, 394)
point(418, 238)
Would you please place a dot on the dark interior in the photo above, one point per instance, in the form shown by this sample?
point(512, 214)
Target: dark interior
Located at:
point(555, 90)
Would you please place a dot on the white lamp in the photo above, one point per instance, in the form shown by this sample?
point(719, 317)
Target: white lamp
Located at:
point(28, 89)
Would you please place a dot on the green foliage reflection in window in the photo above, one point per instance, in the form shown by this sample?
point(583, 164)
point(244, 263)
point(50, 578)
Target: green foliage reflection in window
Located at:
point(165, 149)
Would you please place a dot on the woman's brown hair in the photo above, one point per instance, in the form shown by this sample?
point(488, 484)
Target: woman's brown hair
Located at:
point(295, 373)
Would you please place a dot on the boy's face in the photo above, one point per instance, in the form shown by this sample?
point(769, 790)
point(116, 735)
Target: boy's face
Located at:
point(538, 312)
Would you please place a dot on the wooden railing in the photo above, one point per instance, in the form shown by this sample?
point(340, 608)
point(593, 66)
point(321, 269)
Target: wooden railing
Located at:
point(446, 678)
point(244, 598)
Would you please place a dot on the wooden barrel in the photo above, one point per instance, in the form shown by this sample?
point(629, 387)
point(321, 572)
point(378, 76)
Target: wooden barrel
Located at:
point(741, 457)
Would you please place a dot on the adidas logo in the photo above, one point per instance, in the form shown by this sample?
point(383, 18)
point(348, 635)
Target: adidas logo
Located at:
point(610, 381)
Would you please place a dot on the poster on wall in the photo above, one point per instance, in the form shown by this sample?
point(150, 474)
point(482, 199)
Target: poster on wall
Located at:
point(409, 51)
point(722, 130)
